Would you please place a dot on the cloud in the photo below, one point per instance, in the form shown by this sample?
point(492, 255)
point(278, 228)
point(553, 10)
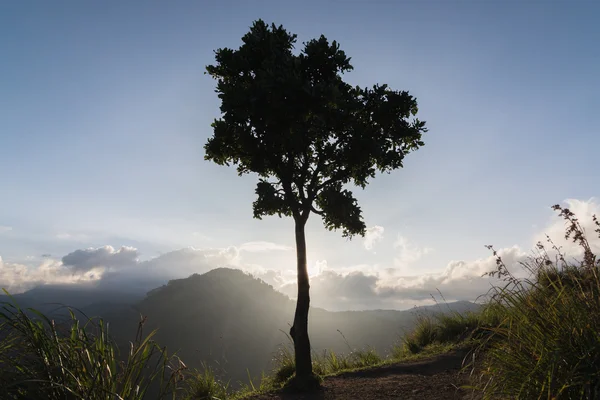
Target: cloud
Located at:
point(17, 278)
point(109, 266)
point(351, 287)
point(5, 229)
point(200, 236)
point(75, 237)
point(372, 236)
point(105, 256)
point(124, 267)
point(261, 247)
point(408, 252)
point(184, 262)
point(358, 287)
point(277, 279)
point(361, 286)
point(386, 288)
point(555, 228)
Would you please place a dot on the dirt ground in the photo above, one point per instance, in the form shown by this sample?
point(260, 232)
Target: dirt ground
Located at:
point(435, 378)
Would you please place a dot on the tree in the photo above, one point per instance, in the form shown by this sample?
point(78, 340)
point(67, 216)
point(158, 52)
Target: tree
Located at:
point(308, 135)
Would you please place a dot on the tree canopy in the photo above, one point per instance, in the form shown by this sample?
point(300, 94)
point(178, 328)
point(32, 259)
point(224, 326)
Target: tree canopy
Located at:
point(290, 118)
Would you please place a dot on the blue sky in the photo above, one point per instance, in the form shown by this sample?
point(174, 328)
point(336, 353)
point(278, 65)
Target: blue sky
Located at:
point(104, 111)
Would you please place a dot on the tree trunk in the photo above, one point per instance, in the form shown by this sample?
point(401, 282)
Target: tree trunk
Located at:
point(299, 330)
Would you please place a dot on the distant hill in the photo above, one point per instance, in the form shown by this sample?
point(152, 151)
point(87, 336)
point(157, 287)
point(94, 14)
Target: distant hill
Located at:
point(51, 298)
point(232, 320)
point(235, 321)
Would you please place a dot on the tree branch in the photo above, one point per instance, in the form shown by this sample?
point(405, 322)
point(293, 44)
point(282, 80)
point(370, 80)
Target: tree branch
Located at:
point(305, 167)
point(300, 190)
point(289, 197)
point(318, 212)
point(337, 177)
point(312, 189)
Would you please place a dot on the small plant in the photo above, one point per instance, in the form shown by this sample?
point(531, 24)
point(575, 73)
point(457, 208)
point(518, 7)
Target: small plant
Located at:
point(266, 384)
point(286, 367)
point(204, 385)
point(337, 362)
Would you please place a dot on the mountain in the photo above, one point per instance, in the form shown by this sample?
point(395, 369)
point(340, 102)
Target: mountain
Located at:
point(230, 320)
point(237, 322)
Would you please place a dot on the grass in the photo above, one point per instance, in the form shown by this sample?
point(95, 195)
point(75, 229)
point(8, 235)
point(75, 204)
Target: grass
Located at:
point(204, 385)
point(547, 344)
point(538, 336)
point(439, 329)
point(326, 363)
point(445, 329)
point(75, 359)
point(41, 358)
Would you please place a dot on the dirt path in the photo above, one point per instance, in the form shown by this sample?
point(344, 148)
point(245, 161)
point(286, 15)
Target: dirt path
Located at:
point(436, 378)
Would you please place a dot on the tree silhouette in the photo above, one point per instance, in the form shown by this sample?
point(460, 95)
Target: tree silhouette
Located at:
point(307, 134)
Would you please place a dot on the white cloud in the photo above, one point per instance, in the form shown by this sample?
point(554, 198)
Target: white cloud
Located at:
point(359, 286)
point(5, 229)
point(370, 288)
point(355, 287)
point(17, 278)
point(555, 228)
point(372, 236)
point(408, 252)
point(277, 279)
point(184, 262)
point(75, 237)
point(105, 256)
point(200, 236)
point(261, 247)
point(111, 266)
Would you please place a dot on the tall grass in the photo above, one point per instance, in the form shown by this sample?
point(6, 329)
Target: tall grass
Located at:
point(41, 358)
point(547, 342)
point(448, 328)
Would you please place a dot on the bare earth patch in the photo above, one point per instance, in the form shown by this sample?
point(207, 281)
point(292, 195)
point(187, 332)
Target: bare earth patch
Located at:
point(439, 377)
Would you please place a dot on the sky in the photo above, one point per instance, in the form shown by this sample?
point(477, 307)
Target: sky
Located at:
point(105, 108)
